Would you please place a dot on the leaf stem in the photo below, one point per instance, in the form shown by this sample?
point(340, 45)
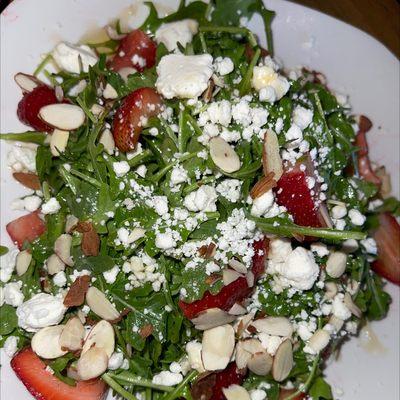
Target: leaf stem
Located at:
point(86, 178)
point(118, 388)
point(138, 159)
point(129, 378)
point(28, 136)
point(245, 83)
point(169, 131)
point(42, 64)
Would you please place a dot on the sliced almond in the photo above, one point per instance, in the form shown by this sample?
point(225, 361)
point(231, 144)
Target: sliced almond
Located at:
point(58, 91)
point(29, 180)
point(250, 278)
point(100, 305)
point(46, 342)
point(58, 142)
point(272, 161)
point(54, 264)
point(92, 363)
point(27, 82)
point(22, 262)
point(193, 350)
point(237, 309)
point(97, 109)
point(236, 392)
point(229, 276)
point(260, 363)
point(252, 346)
point(207, 251)
point(71, 223)
point(66, 117)
point(109, 92)
point(101, 336)
point(283, 361)
point(72, 373)
point(331, 290)
point(77, 291)
point(211, 318)
point(275, 326)
point(348, 301)
point(319, 340)
point(243, 323)
point(217, 347)
point(264, 185)
point(336, 323)
point(223, 155)
point(107, 140)
point(242, 356)
point(72, 335)
point(324, 214)
point(62, 247)
point(237, 266)
point(336, 264)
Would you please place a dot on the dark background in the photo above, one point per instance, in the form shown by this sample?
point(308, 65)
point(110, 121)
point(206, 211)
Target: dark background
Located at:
point(380, 18)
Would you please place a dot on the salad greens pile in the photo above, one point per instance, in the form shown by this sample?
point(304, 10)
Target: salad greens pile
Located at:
point(84, 180)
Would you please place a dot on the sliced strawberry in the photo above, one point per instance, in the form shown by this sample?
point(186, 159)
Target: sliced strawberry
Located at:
point(233, 293)
point(31, 103)
point(387, 238)
point(43, 385)
point(293, 192)
point(135, 50)
point(26, 228)
point(285, 393)
point(210, 386)
point(133, 113)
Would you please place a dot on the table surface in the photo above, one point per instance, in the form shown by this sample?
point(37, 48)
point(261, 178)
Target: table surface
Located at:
point(380, 18)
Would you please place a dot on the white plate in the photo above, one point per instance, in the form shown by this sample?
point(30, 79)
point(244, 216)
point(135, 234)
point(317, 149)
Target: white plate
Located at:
point(354, 63)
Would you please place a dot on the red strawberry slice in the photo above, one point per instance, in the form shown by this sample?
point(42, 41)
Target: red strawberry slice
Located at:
point(293, 192)
point(233, 293)
point(210, 386)
point(26, 228)
point(43, 385)
point(364, 165)
point(31, 103)
point(135, 50)
point(132, 115)
point(387, 238)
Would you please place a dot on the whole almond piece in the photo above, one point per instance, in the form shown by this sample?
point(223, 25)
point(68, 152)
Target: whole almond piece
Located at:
point(272, 161)
point(72, 335)
point(223, 155)
point(22, 262)
point(100, 305)
point(92, 363)
point(211, 318)
point(29, 180)
point(283, 361)
point(46, 342)
point(101, 336)
point(66, 117)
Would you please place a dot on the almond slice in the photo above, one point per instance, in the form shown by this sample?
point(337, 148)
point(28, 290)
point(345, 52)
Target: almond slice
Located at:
point(331, 290)
point(348, 301)
point(223, 155)
point(66, 117)
point(54, 264)
point(229, 276)
point(100, 305)
point(250, 279)
point(217, 347)
point(243, 323)
point(62, 247)
point(92, 363)
point(260, 363)
point(283, 361)
point(58, 142)
point(71, 223)
point(107, 140)
point(77, 291)
point(242, 356)
point(336, 322)
point(27, 82)
point(211, 318)
point(237, 309)
point(22, 262)
point(46, 342)
point(336, 264)
point(100, 336)
point(29, 180)
point(272, 161)
point(72, 335)
point(237, 266)
point(109, 93)
point(264, 185)
point(236, 392)
point(275, 326)
point(319, 340)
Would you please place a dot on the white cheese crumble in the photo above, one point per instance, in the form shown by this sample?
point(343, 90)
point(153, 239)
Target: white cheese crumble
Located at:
point(51, 207)
point(230, 189)
point(167, 378)
point(356, 217)
point(111, 275)
point(22, 158)
point(262, 204)
point(172, 33)
point(121, 168)
point(265, 76)
point(339, 309)
point(116, 360)
point(223, 65)
point(11, 346)
point(7, 264)
point(302, 117)
point(203, 199)
point(73, 58)
point(184, 76)
point(12, 294)
point(60, 279)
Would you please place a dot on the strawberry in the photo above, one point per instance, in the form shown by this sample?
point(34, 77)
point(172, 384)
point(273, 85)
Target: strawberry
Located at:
point(285, 393)
point(31, 103)
point(210, 386)
point(233, 293)
point(26, 228)
point(292, 191)
point(387, 238)
point(132, 114)
point(43, 385)
point(135, 50)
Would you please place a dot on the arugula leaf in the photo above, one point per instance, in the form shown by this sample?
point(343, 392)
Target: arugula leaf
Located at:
point(320, 389)
point(9, 320)
point(3, 250)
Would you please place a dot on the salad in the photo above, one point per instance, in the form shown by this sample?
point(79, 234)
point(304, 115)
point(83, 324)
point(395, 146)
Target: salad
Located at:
point(200, 223)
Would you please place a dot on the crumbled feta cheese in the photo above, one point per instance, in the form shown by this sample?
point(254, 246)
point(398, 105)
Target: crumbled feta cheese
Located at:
point(172, 33)
point(203, 199)
point(258, 394)
point(262, 204)
point(183, 76)
point(7, 264)
point(160, 205)
point(356, 217)
point(51, 207)
point(32, 203)
point(230, 189)
point(73, 58)
point(141, 170)
point(223, 66)
point(350, 246)
point(116, 360)
point(302, 117)
point(305, 329)
point(193, 350)
point(165, 241)
point(109, 92)
point(267, 94)
point(320, 249)
point(369, 245)
point(11, 346)
point(339, 309)
point(111, 275)
point(339, 211)
point(12, 294)
point(60, 279)
point(22, 158)
point(264, 76)
point(121, 168)
point(167, 378)
point(279, 249)
point(270, 343)
point(294, 136)
point(178, 175)
point(40, 311)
